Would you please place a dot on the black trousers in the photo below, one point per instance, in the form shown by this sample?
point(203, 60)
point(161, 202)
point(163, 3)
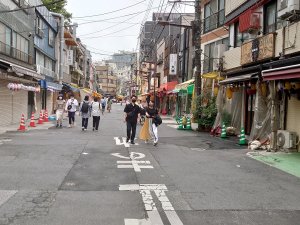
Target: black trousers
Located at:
point(71, 116)
point(131, 130)
point(96, 120)
point(85, 122)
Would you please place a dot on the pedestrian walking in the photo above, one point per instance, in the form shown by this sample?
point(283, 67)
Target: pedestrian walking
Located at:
point(103, 105)
point(85, 112)
point(96, 111)
point(109, 104)
point(71, 108)
point(59, 110)
point(131, 111)
point(150, 127)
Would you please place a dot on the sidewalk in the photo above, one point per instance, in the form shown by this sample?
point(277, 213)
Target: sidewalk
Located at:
point(287, 162)
point(14, 127)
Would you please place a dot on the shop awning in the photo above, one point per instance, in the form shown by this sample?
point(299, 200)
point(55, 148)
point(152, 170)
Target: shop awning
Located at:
point(213, 75)
point(184, 85)
point(288, 72)
point(168, 86)
point(21, 71)
point(241, 78)
point(87, 91)
point(70, 87)
point(54, 86)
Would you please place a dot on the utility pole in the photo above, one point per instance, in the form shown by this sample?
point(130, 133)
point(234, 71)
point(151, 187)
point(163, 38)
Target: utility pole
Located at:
point(197, 41)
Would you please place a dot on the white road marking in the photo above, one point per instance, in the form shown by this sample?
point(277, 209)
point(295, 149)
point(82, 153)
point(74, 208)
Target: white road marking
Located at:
point(136, 165)
point(123, 142)
point(173, 218)
point(85, 153)
point(159, 190)
point(155, 218)
point(133, 155)
point(5, 195)
point(137, 222)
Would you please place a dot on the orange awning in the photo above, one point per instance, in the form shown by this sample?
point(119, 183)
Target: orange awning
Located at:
point(169, 86)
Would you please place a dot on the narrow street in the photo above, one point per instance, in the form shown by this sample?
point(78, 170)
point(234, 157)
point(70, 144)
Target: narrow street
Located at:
point(69, 177)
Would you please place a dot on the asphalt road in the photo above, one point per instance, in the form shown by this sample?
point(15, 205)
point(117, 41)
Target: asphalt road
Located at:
point(69, 177)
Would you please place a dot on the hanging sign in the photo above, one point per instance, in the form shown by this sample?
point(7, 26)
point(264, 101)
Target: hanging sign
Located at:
point(173, 64)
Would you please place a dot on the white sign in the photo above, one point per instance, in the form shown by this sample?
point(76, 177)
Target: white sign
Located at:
point(69, 60)
point(173, 64)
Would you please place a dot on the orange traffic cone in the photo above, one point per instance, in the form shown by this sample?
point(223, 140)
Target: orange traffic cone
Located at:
point(46, 116)
point(22, 124)
point(32, 123)
point(41, 121)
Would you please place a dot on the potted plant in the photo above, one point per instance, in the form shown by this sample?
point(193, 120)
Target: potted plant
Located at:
point(207, 112)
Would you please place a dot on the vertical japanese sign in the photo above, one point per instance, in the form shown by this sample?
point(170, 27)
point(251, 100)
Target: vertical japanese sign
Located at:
point(173, 64)
point(69, 60)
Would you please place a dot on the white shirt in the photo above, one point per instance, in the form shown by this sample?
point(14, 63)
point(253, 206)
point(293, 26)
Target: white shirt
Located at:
point(96, 109)
point(74, 104)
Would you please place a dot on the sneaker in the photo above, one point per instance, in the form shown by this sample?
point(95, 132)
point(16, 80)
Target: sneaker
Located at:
point(69, 126)
point(155, 143)
point(85, 129)
point(93, 129)
point(127, 140)
point(82, 128)
point(60, 125)
point(132, 142)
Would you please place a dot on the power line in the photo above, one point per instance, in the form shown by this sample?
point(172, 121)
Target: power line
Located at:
point(117, 10)
point(30, 7)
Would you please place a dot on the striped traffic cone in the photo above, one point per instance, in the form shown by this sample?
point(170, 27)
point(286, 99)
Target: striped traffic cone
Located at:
point(22, 124)
point(223, 133)
point(32, 123)
point(46, 116)
point(242, 140)
point(41, 121)
point(188, 124)
point(180, 126)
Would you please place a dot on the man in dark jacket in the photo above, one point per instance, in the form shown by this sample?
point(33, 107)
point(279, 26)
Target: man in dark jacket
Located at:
point(132, 111)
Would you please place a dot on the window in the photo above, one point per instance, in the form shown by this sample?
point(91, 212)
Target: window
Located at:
point(239, 38)
point(51, 37)
point(214, 15)
point(39, 27)
point(209, 54)
point(270, 18)
point(5, 39)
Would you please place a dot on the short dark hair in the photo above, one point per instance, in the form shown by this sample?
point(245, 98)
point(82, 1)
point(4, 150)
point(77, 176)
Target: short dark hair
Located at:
point(86, 98)
point(96, 99)
point(59, 96)
point(133, 96)
point(71, 95)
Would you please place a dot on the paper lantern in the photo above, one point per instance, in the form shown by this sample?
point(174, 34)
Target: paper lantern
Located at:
point(229, 93)
point(287, 86)
point(264, 89)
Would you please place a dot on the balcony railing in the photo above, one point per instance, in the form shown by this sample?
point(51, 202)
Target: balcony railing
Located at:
point(214, 21)
point(15, 53)
point(45, 71)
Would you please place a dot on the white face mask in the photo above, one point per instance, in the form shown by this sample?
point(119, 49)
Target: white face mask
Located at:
point(60, 98)
point(72, 98)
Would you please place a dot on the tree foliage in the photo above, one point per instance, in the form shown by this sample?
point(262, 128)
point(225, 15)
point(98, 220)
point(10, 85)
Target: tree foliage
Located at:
point(59, 7)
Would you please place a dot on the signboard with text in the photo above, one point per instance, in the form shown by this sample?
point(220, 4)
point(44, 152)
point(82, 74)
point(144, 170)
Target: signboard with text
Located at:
point(259, 49)
point(173, 64)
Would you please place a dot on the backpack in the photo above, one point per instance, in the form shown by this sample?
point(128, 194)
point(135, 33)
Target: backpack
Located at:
point(85, 107)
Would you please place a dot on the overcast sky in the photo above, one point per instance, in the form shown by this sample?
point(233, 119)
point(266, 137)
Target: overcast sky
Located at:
point(113, 35)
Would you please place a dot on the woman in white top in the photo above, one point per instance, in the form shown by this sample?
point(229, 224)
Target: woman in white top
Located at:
point(96, 112)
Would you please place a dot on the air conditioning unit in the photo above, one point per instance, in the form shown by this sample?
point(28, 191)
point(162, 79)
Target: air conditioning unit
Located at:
point(286, 139)
point(218, 55)
point(288, 9)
